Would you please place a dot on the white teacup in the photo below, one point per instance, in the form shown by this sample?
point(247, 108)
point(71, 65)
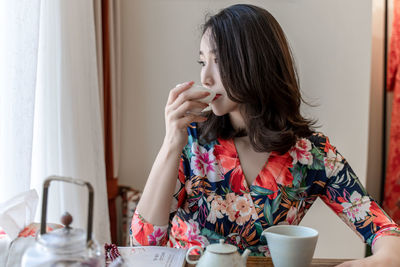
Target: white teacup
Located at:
point(291, 245)
point(206, 99)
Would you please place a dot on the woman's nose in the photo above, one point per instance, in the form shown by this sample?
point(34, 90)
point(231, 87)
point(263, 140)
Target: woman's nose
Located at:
point(207, 78)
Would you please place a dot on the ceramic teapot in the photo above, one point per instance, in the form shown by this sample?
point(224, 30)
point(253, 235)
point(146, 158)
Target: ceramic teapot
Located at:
point(219, 255)
point(67, 246)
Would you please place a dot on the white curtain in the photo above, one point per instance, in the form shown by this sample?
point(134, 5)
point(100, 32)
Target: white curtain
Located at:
point(19, 36)
point(67, 136)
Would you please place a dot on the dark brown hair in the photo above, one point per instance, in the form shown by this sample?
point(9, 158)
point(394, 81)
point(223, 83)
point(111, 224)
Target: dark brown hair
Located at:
point(257, 70)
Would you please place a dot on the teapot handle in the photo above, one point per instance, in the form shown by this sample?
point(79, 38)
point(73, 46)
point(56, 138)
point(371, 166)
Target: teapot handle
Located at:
point(46, 186)
point(188, 252)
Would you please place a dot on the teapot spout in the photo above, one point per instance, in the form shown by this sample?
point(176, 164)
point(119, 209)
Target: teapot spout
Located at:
point(245, 255)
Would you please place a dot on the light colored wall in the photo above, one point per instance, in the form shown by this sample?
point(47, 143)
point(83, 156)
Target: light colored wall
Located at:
point(332, 44)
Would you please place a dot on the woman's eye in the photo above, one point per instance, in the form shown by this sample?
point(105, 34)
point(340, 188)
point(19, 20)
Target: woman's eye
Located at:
point(201, 63)
point(216, 61)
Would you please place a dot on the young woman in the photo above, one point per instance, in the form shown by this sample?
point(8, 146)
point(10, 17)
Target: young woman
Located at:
point(253, 161)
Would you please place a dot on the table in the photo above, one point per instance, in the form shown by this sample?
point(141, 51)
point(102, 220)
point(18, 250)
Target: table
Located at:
point(267, 262)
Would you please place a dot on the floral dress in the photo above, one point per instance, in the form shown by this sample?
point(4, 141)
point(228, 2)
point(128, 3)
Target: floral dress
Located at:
point(213, 200)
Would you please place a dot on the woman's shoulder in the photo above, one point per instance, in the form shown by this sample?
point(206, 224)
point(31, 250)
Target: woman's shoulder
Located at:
point(318, 139)
point(317, 142)
point(314, 151)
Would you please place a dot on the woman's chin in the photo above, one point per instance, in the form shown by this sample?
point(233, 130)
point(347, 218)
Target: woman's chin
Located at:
point(218, 112)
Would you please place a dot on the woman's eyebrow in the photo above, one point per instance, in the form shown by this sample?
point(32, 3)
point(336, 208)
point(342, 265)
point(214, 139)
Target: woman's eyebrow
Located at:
point(213, 51)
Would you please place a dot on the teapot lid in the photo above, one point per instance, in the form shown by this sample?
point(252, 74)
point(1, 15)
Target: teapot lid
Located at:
point(65, 240)
point(221, 248)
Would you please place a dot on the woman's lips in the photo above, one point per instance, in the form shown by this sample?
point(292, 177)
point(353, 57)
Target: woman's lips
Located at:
point(216, 97)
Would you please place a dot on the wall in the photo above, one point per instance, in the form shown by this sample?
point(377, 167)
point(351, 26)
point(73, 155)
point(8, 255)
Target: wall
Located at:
point(332, 43)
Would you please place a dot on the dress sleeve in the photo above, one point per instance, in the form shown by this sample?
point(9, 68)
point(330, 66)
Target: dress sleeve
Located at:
point(143, 233)
point(347, 197)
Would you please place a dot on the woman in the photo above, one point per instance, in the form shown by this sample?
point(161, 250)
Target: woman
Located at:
point(253, 161)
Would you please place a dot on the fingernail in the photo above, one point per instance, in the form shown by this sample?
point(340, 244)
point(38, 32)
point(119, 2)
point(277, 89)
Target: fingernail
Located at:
point(190, 83)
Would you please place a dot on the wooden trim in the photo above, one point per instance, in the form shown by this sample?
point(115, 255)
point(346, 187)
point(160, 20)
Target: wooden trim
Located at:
point(384, 106)
point(112, 184)
point(107, 90)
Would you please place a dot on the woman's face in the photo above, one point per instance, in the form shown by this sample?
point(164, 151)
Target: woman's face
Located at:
point(210, 78)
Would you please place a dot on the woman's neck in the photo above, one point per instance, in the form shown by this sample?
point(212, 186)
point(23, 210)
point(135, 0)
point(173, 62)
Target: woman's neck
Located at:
point(237, 120)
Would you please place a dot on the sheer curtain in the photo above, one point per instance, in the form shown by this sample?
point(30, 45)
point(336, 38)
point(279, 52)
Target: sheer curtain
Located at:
point(19, 36)
point(63, 132)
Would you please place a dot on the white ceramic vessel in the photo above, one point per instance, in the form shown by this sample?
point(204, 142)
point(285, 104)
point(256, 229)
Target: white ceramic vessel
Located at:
point(219, 255)
point(291, 245)
point(206, 99)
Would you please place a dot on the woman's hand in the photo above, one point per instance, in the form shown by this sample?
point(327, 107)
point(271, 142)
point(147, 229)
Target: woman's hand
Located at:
point(372, 261)
point(386, 253)
point(182, 109)
point(155, 204)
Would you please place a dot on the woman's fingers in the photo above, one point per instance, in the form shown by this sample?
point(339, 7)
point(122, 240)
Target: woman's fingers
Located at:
point(181, 94)
point(184, 122)
point(182, 109)
point(175, 92)
point(185, 109)
point(186, 96)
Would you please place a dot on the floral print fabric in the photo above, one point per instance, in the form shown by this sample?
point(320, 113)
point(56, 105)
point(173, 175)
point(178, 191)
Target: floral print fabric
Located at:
point(214, 200)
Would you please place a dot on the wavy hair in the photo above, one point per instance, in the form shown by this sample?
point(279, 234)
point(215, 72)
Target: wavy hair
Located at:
point(258, 72)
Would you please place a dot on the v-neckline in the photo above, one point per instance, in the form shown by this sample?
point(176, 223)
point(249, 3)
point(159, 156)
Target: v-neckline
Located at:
point(238, 163)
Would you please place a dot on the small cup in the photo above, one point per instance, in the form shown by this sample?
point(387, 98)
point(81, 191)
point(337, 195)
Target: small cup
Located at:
point(291, 245)
point(206, 99)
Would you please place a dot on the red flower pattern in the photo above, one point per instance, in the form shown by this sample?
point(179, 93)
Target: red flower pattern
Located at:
point(227, 157)
point(275, 172)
